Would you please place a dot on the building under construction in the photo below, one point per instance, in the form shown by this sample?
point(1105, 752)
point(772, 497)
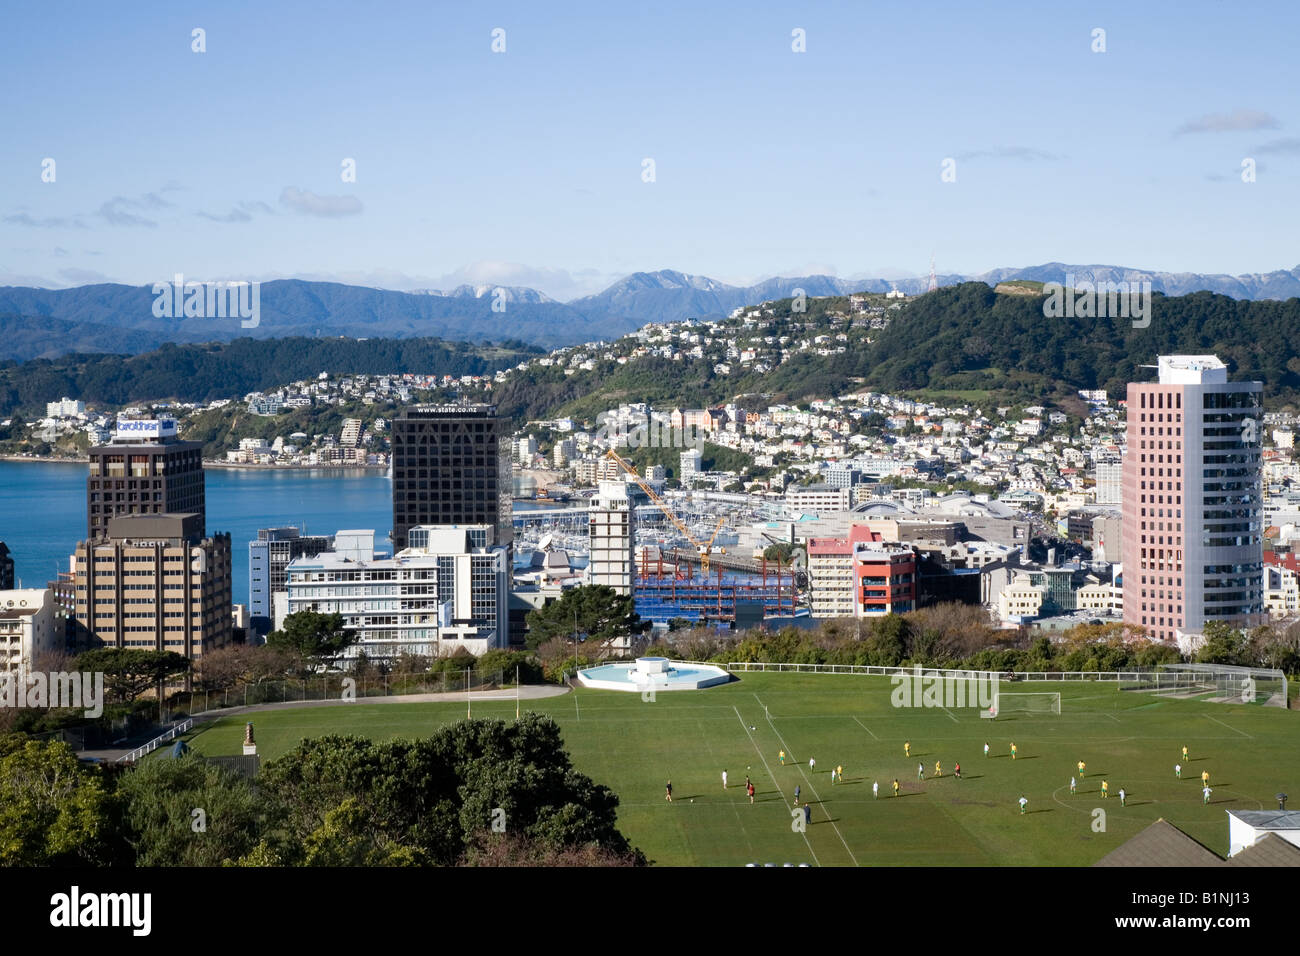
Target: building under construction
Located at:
point(668, 589)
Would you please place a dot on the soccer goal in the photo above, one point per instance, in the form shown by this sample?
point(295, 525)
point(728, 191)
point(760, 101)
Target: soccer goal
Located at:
point(1033, 704)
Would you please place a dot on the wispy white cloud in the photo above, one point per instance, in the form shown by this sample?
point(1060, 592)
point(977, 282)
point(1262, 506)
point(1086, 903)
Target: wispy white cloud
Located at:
point(242, 212)
point(308, 203)
point(1025, 153)
point(1239, 120)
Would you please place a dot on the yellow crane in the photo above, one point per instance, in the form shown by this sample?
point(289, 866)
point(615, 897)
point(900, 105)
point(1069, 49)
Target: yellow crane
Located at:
point(702, 549)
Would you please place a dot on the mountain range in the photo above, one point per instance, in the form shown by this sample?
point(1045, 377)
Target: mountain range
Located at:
point(43, 323)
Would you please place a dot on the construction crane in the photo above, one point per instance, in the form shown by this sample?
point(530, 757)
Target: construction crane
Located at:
point(702, 549)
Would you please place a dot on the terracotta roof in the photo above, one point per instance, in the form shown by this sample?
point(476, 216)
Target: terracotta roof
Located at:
point(1161, 844)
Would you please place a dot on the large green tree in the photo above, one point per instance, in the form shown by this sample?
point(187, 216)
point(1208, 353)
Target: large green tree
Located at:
point(347, 800)
point(186, 811)
point(316, 638)
point(129, 672)
point(53, 811)
point(593, 613)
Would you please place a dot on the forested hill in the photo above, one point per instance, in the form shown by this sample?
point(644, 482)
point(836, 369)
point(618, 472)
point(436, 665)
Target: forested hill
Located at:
point(966, 341)
point(969, 337)
point(232, 369)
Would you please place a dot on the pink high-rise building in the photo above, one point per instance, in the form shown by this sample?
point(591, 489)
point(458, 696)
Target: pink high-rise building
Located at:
point(1193, 518)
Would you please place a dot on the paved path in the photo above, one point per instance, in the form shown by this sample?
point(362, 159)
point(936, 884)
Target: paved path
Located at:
point(526, 692)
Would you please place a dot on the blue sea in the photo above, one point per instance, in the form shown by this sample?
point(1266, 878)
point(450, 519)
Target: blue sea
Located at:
point(43, 510)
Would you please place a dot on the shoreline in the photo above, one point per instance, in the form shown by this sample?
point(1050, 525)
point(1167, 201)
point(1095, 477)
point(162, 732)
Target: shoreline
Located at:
point(49, 460)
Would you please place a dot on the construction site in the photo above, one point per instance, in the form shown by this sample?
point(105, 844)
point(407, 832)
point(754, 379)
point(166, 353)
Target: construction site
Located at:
point(667, 587)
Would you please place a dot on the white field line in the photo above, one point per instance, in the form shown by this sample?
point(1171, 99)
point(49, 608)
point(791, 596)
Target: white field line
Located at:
point(745, 728)
point(799, 764)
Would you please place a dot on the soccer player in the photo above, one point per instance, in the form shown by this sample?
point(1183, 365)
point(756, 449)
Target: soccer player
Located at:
point(1081, 766)
point(907, 748)
point(796, 794)
point(812, 765)
point(1178, 771)
point(986, 748)
point(1205, 778)
point(669, 788)
point(1013, 751)
point(749, 789)
point(832, 776)
point(1072, 790)
point(724, 780)
point(920, 771)
point(875, 790)
point(895, 786)
point(1105, 789)
point(1184, 753)
point(807, 814)
point(782, 756)
point(839, 772)
point(956, 772)
point(1205, 793)
point(1122, 796)
point(938, 769)
point(1023, 804)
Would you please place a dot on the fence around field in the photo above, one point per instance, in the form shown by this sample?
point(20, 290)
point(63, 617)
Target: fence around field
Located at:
point(1269, 687)
point(958, 674)
point(333, 687)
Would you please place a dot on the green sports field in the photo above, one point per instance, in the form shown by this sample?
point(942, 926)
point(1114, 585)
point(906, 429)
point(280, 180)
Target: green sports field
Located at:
point(633, 746)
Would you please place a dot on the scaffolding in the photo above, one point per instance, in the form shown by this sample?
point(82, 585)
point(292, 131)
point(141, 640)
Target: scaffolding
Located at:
point(670, 589)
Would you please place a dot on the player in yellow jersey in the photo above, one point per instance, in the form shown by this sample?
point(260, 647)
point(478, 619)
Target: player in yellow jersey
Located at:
point(895, 786)
point(907, 748)
point(938, 769)
point(1081, 766)
point(1105, 789)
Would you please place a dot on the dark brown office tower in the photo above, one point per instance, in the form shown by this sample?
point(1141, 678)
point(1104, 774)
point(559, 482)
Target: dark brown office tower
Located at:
point(450, 467)
point(6, 569)
point(145, 470)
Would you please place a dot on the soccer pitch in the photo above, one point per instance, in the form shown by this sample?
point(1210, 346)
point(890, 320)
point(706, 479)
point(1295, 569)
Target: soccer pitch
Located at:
point(1132, 740)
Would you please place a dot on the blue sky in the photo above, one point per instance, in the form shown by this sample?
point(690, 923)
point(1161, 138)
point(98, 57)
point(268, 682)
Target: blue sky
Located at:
point(525, 167)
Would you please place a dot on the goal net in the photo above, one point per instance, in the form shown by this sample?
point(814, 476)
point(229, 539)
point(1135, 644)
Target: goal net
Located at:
point(1033, 704)
point(1217, 683)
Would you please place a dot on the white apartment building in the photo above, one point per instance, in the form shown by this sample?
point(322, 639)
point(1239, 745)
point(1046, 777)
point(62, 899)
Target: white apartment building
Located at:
point(830, 579)
point(66, 408)
point(449, 589)
point(1281, 591)
point(690, 465)
point(29, 628)
point(818, 499)
point(1110, 482)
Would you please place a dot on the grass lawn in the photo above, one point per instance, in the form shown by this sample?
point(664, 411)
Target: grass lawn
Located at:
point(1131, 739)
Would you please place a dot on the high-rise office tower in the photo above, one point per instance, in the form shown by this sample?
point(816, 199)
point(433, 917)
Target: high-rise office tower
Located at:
point(450, 467)
point(155, 582)
point(268, 560)
point(144, 470)
point(1192, 526)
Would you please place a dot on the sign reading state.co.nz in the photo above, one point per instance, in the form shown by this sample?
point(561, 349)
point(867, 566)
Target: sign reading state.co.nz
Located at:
point(145, 427)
